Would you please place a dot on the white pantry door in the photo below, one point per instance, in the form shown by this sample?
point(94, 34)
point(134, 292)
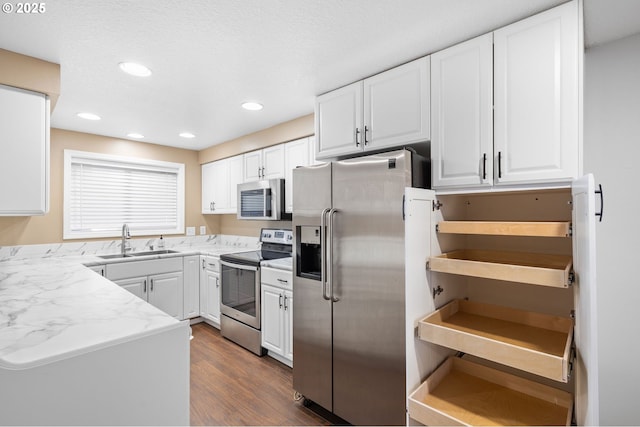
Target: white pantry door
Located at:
point(586, 328)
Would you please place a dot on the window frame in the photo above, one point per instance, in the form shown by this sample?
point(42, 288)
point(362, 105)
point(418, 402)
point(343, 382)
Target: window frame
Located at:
point(75, 156)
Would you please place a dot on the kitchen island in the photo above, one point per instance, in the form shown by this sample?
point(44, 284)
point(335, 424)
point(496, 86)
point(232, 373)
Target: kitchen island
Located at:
point(77, 349)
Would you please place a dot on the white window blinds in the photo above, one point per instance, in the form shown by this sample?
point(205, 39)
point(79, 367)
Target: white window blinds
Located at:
point(104, 192)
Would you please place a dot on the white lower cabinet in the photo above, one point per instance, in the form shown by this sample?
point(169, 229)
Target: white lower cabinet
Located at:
point(159, 282)
point(191, 268)
point(277, 314)
point(210, 290)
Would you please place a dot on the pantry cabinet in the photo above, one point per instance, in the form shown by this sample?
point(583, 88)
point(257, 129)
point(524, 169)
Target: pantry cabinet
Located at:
point(277, 314)
point(386, 110)
point(508, 316)
point(210, 290)
point(24, 154)
point(267, 163)
point(506, 106)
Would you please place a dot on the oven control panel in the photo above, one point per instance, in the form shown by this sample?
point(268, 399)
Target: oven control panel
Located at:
point(276, 235)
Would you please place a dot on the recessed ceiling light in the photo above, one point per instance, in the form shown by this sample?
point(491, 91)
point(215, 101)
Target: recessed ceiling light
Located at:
point(134, 69)
point(88, 116)
point(187, 135)
point(252, 106)
point(135, 135)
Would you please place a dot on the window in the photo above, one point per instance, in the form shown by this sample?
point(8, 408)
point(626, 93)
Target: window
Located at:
point(103, 192)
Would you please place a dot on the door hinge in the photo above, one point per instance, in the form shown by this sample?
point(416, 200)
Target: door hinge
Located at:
point(571, 279)
point(437, 228)
point(436, 205)
point(437, 291)
point(570, 229)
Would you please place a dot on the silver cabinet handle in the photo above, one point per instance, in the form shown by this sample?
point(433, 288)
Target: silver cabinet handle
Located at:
point(280, 300)
point(151, 285)
point(285, 303)
point(217, 282)
point(323, 250)
point(203, 264)
point(366, 129)
point(357, 137)
point(283, 281)
point(144, 288)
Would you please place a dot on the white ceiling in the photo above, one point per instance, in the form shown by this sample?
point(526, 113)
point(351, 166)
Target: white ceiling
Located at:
point(209, 56)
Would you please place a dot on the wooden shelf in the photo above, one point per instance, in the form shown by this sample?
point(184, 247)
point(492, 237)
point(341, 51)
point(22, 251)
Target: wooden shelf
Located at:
point(507, 228)
point(536, 269)
point(533, 342)
point(461, 392)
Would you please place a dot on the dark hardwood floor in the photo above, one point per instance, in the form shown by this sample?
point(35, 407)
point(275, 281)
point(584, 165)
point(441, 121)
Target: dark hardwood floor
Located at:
point(232, 386)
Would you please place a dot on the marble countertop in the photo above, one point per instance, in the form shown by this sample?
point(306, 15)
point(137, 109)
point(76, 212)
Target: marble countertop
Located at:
point(54, 307)
point(280, 263)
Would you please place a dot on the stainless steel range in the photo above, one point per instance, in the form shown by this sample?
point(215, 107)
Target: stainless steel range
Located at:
point(240, 304)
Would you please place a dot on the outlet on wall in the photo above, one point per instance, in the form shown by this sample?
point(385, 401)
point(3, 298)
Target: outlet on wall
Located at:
point(191, 231)
point(203, 230)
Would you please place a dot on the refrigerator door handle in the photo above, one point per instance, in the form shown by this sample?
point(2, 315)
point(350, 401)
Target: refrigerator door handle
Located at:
point(332, 214)
point(323, 249)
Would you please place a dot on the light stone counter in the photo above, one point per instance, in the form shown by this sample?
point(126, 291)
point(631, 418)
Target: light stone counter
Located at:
point(52, 307)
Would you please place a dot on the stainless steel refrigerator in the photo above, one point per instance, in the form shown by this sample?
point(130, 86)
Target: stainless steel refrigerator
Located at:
point(349, 286)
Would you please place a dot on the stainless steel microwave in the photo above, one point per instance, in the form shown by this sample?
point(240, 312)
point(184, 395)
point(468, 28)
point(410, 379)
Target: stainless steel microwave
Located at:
point(261, 199)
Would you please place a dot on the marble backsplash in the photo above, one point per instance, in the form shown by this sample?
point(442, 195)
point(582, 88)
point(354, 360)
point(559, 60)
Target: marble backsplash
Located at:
point(113, 246)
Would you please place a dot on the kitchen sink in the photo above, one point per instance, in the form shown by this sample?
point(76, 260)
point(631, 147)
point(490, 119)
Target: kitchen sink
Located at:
point(158, 252)
point(114, 256)
point(134, 254)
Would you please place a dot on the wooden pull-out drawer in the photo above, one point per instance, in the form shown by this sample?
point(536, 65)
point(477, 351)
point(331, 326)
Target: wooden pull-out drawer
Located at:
point(533, 342)
point(461, 392)
point(507, 228)
point(533, 268)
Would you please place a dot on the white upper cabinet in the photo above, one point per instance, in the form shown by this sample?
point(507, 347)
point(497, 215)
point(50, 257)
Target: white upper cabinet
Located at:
point(386, 110)
point(296, 153)
point(24, 152)
point(235, 167)
point(338, 121)
point(267, 163)
point(220, 181)
point(462, 114)
point(396, 106)
point(537, 68)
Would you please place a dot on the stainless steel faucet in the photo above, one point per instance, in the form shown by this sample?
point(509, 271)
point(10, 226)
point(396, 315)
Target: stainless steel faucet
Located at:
point(125, 246)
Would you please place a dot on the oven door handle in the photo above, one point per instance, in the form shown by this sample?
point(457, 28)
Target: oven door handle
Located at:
point(240, 266)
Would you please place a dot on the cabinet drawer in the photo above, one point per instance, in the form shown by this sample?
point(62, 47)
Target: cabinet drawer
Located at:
point(533, 342)
point(532, 268)
point(124, 270)
point(461, 392)
point(210, 263)
point(280, 278)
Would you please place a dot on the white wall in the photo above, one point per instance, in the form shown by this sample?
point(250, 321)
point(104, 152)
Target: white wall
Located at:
point(612, 154)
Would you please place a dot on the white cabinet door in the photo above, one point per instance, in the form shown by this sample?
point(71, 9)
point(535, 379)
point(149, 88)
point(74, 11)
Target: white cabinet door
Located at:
point(165, 292)
point(253, 166)
point(396, 106)
point(135, 285)
point(338, 121)
point(296, 153)
point(24, 152)
point(272, 319)
point(273, 162)
point(215, 187)
point(191, 296)
point(288, 325)
point(462, 114)
point(210, 289)
point(100, 269)
point(537, 98)
point(586, 327)
point(235, 166)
